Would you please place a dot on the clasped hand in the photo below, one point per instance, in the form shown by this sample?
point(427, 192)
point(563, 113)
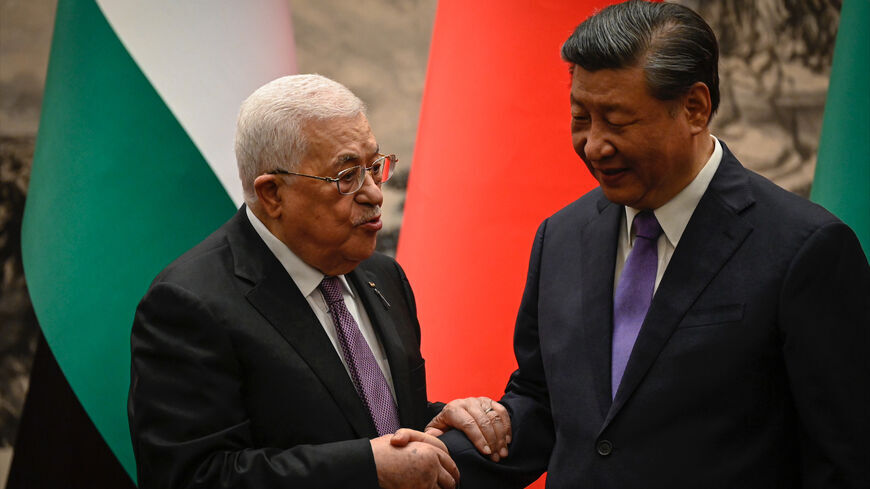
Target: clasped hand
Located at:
point(485, 422)
point(412, 459)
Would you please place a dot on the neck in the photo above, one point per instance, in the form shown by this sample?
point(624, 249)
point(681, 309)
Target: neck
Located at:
point(702, 150)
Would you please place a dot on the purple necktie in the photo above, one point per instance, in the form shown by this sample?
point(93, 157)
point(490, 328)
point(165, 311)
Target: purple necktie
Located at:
point(634, 293)
point(367, 376)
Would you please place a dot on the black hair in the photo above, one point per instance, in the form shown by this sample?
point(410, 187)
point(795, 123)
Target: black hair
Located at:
point(672, 43)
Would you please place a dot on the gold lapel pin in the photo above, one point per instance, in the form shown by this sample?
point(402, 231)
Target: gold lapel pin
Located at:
point(380, 296)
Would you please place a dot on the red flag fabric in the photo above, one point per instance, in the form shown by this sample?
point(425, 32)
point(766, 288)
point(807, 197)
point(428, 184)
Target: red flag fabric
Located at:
point(493, 158)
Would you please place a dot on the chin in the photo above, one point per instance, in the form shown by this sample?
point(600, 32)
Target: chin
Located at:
point(361, 252)
point(617, 197)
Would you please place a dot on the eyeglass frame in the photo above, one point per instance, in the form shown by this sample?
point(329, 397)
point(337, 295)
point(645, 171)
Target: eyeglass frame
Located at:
point(337, 178)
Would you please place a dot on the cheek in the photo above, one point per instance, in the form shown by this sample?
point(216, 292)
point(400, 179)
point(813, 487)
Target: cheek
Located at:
point(341, 212)
point(578, 141)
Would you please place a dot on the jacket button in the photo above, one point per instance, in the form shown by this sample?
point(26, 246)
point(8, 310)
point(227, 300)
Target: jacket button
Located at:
point(605, 448)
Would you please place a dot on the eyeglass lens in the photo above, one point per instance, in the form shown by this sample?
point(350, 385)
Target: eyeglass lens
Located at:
point(351, 180)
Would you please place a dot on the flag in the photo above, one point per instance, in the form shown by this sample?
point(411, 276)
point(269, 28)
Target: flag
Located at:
point(133, 165)
point(842, 180)
point(493, 158)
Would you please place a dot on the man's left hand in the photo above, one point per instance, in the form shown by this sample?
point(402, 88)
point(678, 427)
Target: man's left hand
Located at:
point(485, 422)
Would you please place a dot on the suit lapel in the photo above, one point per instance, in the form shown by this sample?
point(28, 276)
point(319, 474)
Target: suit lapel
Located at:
point(365, 282)
point(597, 260)
point(278, 299)
point(714, 232)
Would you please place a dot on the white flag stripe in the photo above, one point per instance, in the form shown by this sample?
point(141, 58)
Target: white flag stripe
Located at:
point(247, 45)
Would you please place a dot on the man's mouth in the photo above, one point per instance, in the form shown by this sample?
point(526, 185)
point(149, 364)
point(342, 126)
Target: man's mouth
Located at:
point(610, 176)
point(372, 220)
point(374, 224)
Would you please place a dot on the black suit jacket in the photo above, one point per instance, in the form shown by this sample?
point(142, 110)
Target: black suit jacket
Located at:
point(234, 382)
point(750, 369)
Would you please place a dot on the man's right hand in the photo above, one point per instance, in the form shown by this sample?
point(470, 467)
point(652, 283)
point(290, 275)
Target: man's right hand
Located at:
point(420, 462)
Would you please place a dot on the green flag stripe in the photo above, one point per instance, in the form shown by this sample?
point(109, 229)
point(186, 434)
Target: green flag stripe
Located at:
point(842, 180)
point(117, 191)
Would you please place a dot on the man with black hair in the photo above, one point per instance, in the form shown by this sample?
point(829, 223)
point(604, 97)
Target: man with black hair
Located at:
point(687, 323)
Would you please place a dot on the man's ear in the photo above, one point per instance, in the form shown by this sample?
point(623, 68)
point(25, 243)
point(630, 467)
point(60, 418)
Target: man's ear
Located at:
point(697, 107)
point(267, 189)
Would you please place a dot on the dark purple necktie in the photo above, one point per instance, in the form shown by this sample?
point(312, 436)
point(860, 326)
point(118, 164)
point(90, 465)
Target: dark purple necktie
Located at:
point(634, 293)
point(367, 377)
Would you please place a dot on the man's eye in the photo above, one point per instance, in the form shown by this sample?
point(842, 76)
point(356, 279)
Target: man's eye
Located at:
point(350, 175)
point(580, 117)
point(618, 122)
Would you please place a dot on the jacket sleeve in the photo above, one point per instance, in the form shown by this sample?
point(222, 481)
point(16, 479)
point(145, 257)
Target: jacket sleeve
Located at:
point(526, 398)
point(187, 419)
point(825, 324)
point(432, 408)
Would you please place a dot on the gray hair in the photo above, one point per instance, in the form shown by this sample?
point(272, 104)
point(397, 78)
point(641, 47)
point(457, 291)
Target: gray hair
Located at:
point(672, 43)
point(270, 133)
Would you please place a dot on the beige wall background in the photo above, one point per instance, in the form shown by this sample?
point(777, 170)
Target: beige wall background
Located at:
point(775, 65)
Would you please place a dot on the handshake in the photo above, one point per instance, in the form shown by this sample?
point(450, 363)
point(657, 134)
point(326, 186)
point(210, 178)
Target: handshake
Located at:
point(412, 459)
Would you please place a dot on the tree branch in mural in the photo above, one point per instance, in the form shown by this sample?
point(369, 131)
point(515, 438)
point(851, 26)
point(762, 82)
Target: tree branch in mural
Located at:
point(775, 63)
point(19, 330)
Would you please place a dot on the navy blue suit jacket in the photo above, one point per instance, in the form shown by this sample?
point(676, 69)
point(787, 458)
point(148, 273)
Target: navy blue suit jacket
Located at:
point(750, 370)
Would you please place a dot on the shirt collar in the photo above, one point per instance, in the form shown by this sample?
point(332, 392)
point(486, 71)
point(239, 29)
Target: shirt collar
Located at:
point(306, 277)
point(674, 215)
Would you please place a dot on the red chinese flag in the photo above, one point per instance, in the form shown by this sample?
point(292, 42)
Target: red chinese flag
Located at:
point(493, 159)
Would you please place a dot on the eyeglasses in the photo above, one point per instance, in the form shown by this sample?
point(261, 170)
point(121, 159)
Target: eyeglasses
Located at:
point(349, 180)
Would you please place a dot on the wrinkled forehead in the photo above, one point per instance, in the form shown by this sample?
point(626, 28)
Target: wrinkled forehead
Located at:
point(341, 141)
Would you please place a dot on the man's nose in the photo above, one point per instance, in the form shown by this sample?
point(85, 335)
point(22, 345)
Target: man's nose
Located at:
point(370, 192)
point(597, 146)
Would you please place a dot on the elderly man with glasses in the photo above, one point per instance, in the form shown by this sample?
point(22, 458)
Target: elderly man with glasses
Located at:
point(282, 351)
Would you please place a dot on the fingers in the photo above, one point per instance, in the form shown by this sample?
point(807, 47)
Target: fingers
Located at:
point(480, 430)
point(423, 462)
point(405, 435)
point(501, 422)
point(438, 422)
point(448, 476)
point(446, 480)
point(492, 425)
point(491, 430)
point(400, 438)
point(485, 422)
point(459, 414)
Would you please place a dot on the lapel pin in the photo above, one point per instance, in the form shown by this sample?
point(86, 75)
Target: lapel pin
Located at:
point(380, 296)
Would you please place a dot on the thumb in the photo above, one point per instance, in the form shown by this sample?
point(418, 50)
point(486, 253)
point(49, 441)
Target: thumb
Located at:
point(400, 438)
point(438, 423)
point(431, 430)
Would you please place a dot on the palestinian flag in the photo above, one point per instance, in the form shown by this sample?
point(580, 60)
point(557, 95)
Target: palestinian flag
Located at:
point(134, 164)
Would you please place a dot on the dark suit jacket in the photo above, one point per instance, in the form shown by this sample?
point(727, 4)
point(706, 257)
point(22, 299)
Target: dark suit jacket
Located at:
point(750, 370)
point(234, 382)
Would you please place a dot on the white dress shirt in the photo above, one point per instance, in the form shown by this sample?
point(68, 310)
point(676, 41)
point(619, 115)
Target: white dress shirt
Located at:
point(307, 279)
point(673, 217)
